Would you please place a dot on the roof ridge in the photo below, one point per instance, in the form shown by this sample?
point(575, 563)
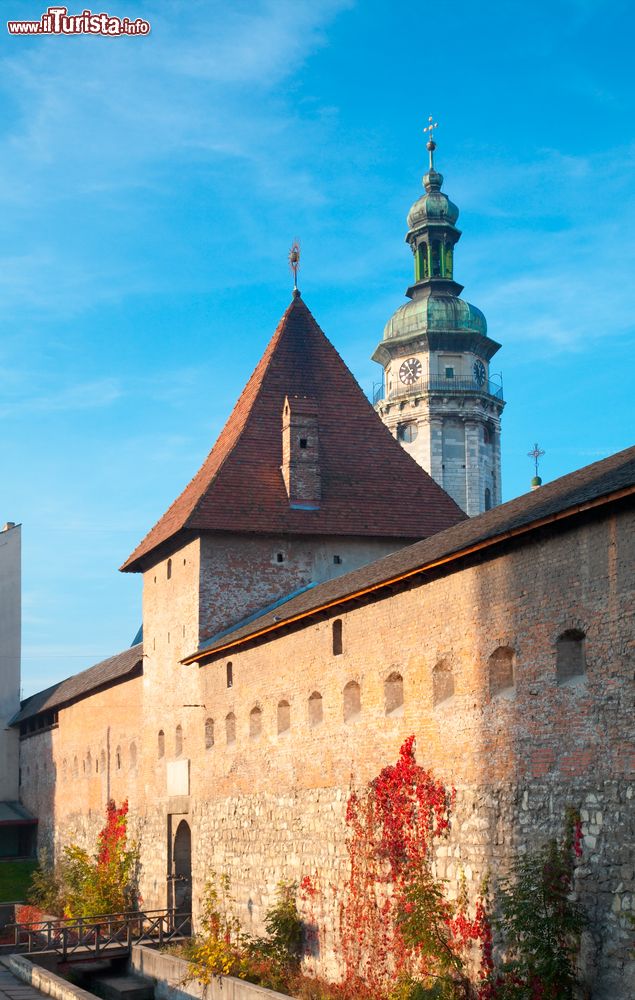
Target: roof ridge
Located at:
point(263, 365)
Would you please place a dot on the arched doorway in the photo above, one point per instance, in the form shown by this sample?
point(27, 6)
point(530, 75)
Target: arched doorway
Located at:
point(180, 878)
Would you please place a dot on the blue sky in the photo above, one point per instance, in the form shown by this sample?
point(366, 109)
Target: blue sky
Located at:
point(150, 189)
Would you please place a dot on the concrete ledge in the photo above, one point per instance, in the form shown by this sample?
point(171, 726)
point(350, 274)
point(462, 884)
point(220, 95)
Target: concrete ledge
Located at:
point(43, 980)
point(169, 972)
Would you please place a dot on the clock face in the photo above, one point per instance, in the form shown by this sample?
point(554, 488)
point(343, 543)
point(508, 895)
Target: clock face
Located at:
point(410, 371)
point(479, 372)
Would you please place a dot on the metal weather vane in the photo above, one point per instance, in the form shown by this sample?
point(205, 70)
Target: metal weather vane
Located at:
point(431, 144)
point(536, 453)
point(294, 264)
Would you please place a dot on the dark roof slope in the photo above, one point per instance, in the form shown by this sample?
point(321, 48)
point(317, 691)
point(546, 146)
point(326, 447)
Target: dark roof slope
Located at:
point(111, 671)
point(370, 486)
point(614, 475)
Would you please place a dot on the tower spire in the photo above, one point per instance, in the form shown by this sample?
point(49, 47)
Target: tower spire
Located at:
point(439, 396)
point(431, 144)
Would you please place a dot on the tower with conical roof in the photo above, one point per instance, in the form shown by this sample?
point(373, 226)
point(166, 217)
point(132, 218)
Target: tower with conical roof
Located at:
point(438, 396)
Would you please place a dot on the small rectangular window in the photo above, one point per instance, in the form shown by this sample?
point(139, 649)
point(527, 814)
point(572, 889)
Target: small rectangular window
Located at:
point(304, 442)
point(230, 675)
point(337, 560)
point(449, 371)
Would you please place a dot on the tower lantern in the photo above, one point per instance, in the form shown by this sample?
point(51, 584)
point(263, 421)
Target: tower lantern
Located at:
point(438, 396)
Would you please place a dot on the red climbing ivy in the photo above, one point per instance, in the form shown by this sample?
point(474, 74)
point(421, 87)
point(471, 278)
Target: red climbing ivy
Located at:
point(397, 924)
point(107, 881)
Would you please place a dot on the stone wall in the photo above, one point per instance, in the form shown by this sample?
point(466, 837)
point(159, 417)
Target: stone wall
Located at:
point(10, 631)
point(270, 803)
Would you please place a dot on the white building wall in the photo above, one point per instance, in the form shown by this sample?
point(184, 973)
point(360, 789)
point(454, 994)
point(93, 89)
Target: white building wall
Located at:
point(10, 640)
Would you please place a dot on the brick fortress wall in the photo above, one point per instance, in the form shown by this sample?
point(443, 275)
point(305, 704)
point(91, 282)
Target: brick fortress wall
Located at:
point(270, 804)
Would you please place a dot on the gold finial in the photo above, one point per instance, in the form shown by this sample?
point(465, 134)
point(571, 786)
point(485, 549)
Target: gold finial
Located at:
point(431, 144)
point(294, 264)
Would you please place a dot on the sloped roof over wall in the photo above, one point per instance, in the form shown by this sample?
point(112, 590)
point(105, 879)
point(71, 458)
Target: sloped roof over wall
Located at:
point(115, 669)
point(370, 485)
point(591, 486)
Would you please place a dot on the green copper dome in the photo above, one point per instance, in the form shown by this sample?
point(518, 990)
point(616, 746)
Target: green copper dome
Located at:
point(435, 313)
point(434, 205)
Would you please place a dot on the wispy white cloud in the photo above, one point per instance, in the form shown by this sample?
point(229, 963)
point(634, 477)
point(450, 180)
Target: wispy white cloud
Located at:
point(95, 126)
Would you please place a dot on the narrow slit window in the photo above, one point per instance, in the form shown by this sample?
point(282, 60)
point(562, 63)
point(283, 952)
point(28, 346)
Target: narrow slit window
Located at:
point(442, 682)
point(393, 694)
point(316, 713)
point(255, 722)
point(209, 734)
point(284, 717)
point(570, 655)
point(230, 674)
point(352, 701)
point(338, 646)
point(501, 671)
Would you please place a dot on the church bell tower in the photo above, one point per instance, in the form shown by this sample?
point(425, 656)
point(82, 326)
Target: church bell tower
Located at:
point(438, 396)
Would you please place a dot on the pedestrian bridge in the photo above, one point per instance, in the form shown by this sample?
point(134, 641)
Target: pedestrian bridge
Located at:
point(109, 935)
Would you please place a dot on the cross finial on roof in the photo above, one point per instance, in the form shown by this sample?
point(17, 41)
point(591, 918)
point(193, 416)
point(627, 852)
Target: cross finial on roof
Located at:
point(294, 264)
point(431, 144)
point(536, 453)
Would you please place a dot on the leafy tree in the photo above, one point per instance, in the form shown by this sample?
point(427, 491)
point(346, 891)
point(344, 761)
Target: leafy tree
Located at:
point(540, 922)
point(45, 890)
point(106, 882)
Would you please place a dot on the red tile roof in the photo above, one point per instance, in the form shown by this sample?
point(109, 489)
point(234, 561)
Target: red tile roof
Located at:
point(370, 485)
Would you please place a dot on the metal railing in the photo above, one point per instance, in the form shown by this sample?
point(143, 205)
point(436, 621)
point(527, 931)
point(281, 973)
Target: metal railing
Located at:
point(103, 933)
point(439, 383)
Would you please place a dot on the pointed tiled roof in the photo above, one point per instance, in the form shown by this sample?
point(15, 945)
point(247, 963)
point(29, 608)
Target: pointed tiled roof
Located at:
point(370, 485)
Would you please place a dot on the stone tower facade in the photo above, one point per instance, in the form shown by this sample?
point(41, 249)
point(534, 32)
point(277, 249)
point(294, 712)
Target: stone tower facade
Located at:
point(439, 397)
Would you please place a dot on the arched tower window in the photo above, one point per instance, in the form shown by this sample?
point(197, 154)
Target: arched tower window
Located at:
point(488, 498)
point(421, 262)
point(570, 655)
point(352, 701)
point(161, 744)
point(338, 647)
point(255, 722)
point(436, 258)
point(178, 741)
point(448, 261)
point(442, 682)
point(393, 694)
point(284, 716)
point(501, 671)
point(316, 713)
point(133, 756)
point(209, 734)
